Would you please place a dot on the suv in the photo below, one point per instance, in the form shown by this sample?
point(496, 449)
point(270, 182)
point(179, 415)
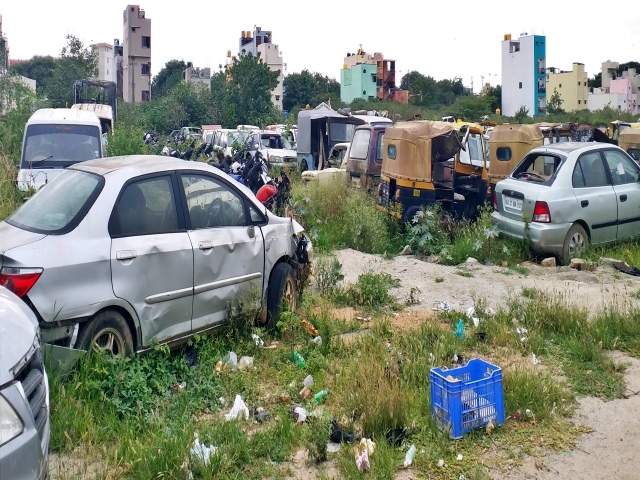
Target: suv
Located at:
point(24, 393)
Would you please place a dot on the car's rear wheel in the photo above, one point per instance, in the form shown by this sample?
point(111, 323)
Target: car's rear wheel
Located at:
point(575, 243)
point(282, 293)
point(107, 332)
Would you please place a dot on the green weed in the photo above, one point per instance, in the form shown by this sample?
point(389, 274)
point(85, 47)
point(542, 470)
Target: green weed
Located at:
point(370, 291)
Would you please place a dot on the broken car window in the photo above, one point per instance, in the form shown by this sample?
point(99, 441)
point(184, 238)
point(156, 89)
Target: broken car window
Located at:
point(211, 203)
point(538, 168)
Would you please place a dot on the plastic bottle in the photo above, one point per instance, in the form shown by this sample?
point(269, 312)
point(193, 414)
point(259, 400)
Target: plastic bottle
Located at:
point(321, 395)
point(308, 381)
point(299, 359)
point(408, 458)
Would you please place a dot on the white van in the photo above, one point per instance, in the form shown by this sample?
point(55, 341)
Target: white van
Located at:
point(55, 138)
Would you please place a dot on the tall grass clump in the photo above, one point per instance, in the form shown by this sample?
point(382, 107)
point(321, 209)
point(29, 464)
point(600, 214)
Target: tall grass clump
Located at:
point(10, 198)
point(125, 141)
point(337, 216)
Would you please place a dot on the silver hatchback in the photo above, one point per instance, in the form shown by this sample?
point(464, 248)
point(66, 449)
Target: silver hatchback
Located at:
point(122, 252)
point(566, 195)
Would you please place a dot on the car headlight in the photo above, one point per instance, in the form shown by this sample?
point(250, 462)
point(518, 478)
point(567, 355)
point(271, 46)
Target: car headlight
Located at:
point(10, 424)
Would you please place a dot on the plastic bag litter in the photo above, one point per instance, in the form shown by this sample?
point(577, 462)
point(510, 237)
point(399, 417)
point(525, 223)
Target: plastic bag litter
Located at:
point(245, 362)
point(317, 341)
point(308, 381)
point(202, 452)
point(299, 414)
point(333, 447)
point(534, 359)
point(258, 340)
point(523, 333)
point(362, 459)
point(239, 407)
point(231, 359)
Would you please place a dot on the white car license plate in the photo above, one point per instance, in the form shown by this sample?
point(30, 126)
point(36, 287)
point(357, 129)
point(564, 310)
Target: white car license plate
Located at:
point(513, 203)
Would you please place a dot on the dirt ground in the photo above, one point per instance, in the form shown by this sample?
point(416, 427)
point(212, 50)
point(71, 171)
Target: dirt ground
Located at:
point(610, 450)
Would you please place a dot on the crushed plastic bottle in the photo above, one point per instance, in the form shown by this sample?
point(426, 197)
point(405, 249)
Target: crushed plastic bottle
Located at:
point(299, 359)
point(321, 395)
point(308, 381)
point(408, 458)
point(231, 359)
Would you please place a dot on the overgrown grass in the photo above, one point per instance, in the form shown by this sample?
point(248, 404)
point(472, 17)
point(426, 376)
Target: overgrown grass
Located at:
point(10, 198)
point(337, 216)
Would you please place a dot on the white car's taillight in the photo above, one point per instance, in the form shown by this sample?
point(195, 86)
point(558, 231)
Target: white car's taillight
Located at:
point(541, 213)
point(19, 280)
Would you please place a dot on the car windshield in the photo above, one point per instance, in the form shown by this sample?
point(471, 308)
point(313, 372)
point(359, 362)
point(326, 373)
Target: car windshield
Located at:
point(538, 168)
point(244, 139)
point(60, 145)
point(275, 140)
point(60, 205)
point(341, 132)
point(474, 153)
point(360, 144)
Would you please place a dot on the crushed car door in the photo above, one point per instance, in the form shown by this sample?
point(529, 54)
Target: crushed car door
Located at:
point(152, 258)
point(625, 174)
point(228, 251)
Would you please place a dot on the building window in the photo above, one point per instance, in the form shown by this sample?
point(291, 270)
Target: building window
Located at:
point(560, 86)
point(520, 85)
point(107, 59)
point(146, 42)
point(277, 98)
point(578, 102)
point(146, 69)
point(146, 96)
point(107, 72)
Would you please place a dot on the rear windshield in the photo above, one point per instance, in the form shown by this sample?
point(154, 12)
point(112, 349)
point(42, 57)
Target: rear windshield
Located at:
point(538, 168)
point(59, 206)
point(58, 145)
point(360, 144)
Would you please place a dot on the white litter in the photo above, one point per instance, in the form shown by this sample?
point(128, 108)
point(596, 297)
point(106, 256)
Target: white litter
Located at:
point(202, 452)
point(534, 359)
point(459, 457)
point(239, 407)
point(301, 414)
point(333, 447)
point(245, 362)
point(523, 333)
point(258, 340)
point(470, 312)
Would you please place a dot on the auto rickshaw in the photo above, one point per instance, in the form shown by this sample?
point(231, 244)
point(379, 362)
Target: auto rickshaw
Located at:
point(617, 127)
point(508, 145)
point(426, 162)
point(629, 141)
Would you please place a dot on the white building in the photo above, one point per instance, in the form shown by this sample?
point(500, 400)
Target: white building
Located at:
point(524, 74)
point(199, 78)
point(105, 69)
point(259, 42)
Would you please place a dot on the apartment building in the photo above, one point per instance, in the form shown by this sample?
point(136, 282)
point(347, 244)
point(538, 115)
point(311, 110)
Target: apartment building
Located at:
point(572, 86)
point(524, 74)
point(136, 55)
point(105, 68)
point(259, 42)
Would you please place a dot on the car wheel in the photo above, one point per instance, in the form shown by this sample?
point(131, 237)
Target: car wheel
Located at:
point(107, 332)
point(282, 293)
point(575, 243)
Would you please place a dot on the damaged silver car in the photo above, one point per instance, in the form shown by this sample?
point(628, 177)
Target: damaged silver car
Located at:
point(122, 252)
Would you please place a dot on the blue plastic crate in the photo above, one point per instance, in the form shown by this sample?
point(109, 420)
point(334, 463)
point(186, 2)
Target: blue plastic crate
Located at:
point(469, 401)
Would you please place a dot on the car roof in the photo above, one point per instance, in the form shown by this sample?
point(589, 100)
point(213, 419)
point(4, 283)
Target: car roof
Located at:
point(137, 164)
point(69, 115)
point(568, 147)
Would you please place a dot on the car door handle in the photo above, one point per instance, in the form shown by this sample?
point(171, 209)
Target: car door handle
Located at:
point(205, 245)
point(126, 255)
point(584, 203)
point(623, 198)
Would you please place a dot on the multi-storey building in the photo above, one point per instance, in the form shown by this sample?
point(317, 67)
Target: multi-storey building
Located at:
point(136, 55)
point(572, 86)
point(105, 70)
point(259, 43)
point(524, 74)
point(369, 76)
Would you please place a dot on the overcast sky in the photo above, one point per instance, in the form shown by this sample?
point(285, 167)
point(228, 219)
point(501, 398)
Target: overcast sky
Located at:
point(454, 39)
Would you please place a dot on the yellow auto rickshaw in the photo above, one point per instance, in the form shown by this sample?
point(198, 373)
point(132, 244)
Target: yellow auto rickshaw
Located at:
point(508, 145)
point(429, 162)
point(629, 141)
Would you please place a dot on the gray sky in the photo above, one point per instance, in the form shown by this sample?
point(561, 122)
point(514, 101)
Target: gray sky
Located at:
point(454, 39)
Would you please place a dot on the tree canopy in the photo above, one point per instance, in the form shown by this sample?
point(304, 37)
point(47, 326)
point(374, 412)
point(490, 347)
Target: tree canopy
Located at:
point(304, 87)
point(168, 77)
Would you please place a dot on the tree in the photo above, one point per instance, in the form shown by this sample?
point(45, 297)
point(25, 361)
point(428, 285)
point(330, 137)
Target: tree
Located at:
point(302, 89)
point(521, 114)
point(168, 77)
point(554, 105)
point(494, 97)
point(38, 68)
point(76, 62)
point(243, 92)
point(470, 107)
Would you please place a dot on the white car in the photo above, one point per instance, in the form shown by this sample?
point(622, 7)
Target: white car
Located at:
point(338, 156)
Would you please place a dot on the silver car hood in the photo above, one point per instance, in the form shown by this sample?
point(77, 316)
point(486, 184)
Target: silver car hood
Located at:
point(18, 334)
point(12, 237)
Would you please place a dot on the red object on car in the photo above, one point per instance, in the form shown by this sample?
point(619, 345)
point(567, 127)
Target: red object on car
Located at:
point(266, 192)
